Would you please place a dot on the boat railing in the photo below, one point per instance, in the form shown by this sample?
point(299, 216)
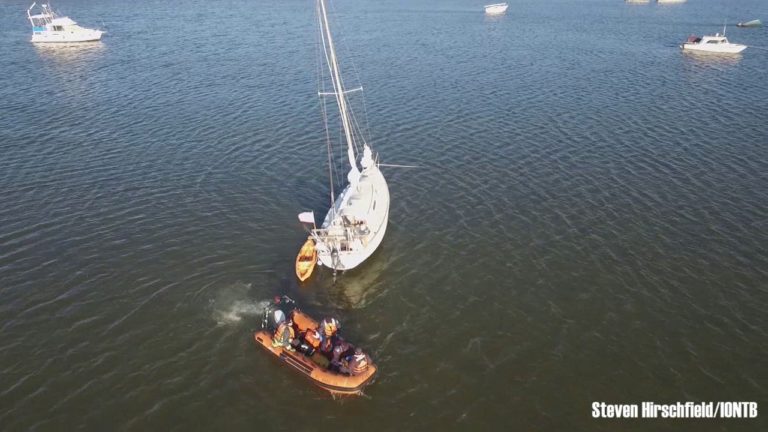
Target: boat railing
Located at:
point(325, 233)
point(46, 15)
point(349, 233)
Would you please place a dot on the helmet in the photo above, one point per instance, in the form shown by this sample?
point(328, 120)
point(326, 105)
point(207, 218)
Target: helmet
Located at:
point(279, 317)
point(331, 325)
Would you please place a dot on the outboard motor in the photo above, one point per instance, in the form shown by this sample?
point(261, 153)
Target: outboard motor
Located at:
point(272, 318)
point(277, 317)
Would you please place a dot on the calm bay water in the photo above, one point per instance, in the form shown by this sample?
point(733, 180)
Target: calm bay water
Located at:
point(589, 223)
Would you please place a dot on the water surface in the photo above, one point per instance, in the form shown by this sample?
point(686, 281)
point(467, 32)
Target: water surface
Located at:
point(589, 223)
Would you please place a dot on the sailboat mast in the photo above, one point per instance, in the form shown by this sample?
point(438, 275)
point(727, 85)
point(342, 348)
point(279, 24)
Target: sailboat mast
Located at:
point(338, 88)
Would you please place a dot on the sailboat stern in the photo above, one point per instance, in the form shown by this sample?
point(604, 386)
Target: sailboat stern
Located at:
point(339, 256)
point(356, 224)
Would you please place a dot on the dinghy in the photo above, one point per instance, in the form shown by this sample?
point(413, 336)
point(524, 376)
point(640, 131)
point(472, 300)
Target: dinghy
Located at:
point(306, 259)
point(322, 373)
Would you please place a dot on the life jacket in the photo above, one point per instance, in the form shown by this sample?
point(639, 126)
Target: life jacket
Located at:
point(281, 331)
point(329, 327)
point(359, 364)
point(313, 338)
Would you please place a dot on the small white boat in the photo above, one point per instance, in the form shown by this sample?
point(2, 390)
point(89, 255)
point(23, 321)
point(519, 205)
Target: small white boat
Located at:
point(637, 1)
point(670, 1)
point(47, 27)
point(496, 9)
point(753, 23)
point(712, 44)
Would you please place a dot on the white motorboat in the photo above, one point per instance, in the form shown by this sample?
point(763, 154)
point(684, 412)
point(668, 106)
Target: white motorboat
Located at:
point(48, 27)
point(712, 44)
point(357, 219)
point(496, 9)
point(753, 23)
point(670, 1)
point(637, 1)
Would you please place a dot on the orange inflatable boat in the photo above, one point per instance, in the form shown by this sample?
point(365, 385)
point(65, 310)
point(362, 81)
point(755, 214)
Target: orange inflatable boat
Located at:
point(334, 381)
point(306, 259)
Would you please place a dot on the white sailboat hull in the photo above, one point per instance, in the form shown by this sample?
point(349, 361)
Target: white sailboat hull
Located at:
point(350, 260)
point(343, 247)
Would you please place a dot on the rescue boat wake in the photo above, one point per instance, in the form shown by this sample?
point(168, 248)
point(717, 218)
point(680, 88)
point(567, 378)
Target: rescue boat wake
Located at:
point(232, 304)
point(235, 312)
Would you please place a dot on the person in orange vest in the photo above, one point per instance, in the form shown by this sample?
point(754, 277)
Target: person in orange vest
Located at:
point(284, 335)
point(313, 338)
point(329, 326)
point(358, 363)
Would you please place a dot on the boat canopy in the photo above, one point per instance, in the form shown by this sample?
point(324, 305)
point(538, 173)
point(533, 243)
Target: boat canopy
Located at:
point(62, 21)
point(716, 39)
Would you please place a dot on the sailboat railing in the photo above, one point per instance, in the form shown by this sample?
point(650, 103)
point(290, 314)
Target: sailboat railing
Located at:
point(347, 235)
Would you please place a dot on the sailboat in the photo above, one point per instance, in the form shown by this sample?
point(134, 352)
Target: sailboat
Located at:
point(357, 218)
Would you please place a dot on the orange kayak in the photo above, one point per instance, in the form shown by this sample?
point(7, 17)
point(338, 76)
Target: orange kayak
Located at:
point(306, 259)
point(336, 383)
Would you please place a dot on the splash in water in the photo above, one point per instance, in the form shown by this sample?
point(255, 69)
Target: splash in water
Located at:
point(239, 310)
point(232, 305)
